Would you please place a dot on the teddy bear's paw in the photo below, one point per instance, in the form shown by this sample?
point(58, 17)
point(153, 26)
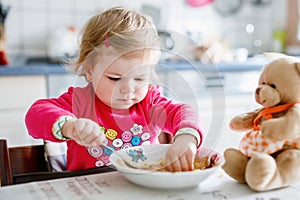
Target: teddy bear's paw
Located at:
point(241, 123)
point(288, 163)
point(235, 164)
point(260, 172)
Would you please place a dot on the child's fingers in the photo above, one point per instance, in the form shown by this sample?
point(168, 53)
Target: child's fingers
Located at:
point(173, 164)
point(168, 164)
point(180, 164)
point(85, 131)
point(169, 167)
point(176, 166)
point(80, 124)
point(190, 162)
point(98, 138)
point(184, 165)
point(93, 135)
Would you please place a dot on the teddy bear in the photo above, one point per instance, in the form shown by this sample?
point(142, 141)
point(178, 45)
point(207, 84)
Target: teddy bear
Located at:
point(268, 156)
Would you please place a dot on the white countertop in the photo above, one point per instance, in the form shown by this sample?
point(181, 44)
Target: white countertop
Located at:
point(114, 186)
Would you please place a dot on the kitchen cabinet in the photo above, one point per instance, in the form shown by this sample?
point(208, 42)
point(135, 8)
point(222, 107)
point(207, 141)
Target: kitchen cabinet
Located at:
point(17, 94)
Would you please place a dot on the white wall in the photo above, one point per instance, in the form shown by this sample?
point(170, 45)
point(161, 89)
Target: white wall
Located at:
point(31, 22)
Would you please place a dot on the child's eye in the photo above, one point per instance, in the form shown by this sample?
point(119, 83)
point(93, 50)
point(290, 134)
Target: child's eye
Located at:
point(113, 78)
point(139, 79)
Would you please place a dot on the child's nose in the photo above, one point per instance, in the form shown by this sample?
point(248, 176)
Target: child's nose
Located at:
point(127, 87)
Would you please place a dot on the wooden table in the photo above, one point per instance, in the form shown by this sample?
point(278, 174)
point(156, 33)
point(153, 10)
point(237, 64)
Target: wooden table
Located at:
point(113, 185)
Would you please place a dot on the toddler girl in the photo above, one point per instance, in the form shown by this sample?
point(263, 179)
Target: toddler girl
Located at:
point(119, 106)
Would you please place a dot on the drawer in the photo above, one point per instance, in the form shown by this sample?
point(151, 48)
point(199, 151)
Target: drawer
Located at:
point(21, 91)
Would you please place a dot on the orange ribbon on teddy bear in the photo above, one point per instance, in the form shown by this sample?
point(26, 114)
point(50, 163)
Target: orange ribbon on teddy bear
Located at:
point(267, 113)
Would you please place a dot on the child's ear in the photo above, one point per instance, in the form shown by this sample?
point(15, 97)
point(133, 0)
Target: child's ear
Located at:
point(88, 75)
point(298, 68)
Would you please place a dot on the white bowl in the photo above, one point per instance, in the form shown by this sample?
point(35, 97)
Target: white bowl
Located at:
point(162, 180)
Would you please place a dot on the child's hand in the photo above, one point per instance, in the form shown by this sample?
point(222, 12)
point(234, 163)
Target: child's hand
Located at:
point(181, 155)
point(84, 131)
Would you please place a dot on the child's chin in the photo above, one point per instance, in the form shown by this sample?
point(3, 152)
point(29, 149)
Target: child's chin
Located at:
point(121, 106)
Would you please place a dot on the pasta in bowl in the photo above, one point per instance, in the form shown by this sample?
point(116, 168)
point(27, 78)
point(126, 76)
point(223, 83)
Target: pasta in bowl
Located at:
point(152, 173)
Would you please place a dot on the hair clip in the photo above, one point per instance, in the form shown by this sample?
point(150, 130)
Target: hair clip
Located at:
point(106, 41)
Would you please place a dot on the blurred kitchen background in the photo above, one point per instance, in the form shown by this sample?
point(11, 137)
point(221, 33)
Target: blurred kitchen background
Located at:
point(251, 24)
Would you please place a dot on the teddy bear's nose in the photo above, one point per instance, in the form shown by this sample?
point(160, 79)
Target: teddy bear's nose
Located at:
point(257, 91)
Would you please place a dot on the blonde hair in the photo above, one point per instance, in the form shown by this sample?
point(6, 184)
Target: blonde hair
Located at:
point(123, 30)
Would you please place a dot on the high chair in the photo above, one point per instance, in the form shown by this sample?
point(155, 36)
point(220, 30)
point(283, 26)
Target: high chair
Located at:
point(24, 164)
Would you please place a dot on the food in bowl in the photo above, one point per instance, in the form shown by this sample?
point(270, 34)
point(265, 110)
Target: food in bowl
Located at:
point(160, 178)
point(200, 163)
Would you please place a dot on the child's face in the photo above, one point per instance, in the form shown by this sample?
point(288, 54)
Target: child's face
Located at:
point(123, 83)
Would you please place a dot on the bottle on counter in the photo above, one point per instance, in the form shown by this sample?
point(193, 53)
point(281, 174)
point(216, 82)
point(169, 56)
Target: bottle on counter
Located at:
point(279, 37)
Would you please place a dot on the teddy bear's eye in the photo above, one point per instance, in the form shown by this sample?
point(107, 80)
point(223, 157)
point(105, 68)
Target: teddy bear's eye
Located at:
point(264, 83)
point(273, 85)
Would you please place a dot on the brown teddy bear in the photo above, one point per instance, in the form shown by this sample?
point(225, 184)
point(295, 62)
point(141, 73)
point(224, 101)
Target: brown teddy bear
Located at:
point(269, 153)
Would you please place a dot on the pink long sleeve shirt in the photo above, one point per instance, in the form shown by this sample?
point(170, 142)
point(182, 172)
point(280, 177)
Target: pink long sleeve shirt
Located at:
point(139, 125)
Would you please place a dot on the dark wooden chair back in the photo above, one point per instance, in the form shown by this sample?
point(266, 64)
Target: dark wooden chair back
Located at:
point(20, 160)
point(27, 159)
point(5, 172)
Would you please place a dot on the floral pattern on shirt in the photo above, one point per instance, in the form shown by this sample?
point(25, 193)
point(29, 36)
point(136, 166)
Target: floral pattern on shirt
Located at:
point(128, 138)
